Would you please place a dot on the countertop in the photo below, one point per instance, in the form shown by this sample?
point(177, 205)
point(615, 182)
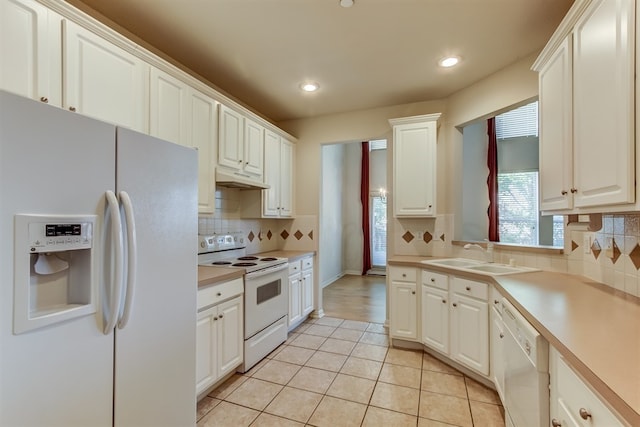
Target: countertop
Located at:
point(212, 275)
point(594, 327)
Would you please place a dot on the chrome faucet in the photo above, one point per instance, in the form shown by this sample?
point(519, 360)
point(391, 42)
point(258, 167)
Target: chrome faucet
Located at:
point(488, 252)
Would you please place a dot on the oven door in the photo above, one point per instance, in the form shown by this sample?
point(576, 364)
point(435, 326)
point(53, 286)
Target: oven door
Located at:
point(265, 298)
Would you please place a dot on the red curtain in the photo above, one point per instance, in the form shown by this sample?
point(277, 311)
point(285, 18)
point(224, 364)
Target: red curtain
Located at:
point(492, 181)
point(364, 199)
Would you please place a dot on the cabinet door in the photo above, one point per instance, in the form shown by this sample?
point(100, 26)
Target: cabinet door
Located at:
point(230, 336)
point(497, 353)
point(286, 178)
point(435, 318)
point(272, 173)
point(203, 137)
point(414, 150)
point(470, 332)
point(169, 107)
point(402, 316)
point(307, 292)
point(295, 298)
point(230, 138)
point(102, 80)
point(206, 343)
point(253, 156)
point(556, 171)
point(604, 91)
point(31, 51)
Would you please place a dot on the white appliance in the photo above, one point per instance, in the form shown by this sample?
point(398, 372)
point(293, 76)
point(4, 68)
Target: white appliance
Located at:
point(266, 301)
point(526, 371)
point(97, 273)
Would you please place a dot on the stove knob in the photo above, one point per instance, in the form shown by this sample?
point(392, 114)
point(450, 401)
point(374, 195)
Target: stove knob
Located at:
point(202, 244)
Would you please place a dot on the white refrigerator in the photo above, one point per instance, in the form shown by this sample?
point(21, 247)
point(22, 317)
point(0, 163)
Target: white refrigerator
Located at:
point(98, 272)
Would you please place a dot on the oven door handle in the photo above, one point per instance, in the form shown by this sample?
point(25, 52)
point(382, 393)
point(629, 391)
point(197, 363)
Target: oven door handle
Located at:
point(267, 270)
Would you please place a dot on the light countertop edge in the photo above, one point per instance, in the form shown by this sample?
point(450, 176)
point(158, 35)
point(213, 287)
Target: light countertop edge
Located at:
point(584, 320)
point(212, 275)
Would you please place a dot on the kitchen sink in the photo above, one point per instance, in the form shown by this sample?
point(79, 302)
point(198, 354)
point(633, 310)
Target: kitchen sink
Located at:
point(454, 262)
point(492, 269)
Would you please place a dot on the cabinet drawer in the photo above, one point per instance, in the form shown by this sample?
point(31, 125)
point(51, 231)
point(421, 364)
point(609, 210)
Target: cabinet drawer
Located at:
point(403, 274)
point(576, 397)
point(295, 267)
point(436, 280)
point(471, 288)
point(307, 263)
point(216, 293)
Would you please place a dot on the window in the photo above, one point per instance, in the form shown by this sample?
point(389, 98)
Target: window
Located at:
point(378, 231)
point(518, 207)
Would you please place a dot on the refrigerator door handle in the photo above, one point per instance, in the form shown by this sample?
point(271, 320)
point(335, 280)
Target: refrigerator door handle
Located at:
point(132, 261)
point(116, 283)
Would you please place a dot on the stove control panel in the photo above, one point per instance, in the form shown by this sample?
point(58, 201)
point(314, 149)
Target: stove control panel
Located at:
point(220, 242)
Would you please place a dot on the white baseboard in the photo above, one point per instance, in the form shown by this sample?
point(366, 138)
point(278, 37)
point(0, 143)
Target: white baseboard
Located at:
point(331, 280)
point(352, 273)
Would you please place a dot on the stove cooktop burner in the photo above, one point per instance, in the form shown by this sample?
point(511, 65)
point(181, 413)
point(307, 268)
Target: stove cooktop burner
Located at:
point(244, 264)
point(221, 263)
point(268, 259)
point(248, 258)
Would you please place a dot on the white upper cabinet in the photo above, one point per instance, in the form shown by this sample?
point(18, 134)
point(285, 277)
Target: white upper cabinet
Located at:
point(587, 112)
point(414, 166)
point(603, 84)
point(169, 105)
point(278, 168)
point(31, 51)
point(253, 155)
point(203, 135)
point(241, 144)
point(102, 80)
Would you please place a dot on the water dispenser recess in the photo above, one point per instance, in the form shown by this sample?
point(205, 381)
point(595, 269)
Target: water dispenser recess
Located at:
point(55, 274)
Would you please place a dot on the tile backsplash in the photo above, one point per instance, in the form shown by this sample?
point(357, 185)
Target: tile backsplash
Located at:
point(261, 235)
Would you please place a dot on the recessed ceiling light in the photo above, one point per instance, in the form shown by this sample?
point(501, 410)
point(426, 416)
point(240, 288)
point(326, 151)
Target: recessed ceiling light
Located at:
point(346, 3)
point(449, 61)
point(309, 86)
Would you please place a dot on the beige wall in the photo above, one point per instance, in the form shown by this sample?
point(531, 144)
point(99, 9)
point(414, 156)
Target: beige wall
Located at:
point(512, 85)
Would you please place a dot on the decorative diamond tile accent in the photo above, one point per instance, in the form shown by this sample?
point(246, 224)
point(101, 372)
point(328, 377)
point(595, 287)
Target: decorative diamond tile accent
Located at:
point(595, 248)
point(616, 252)
point(298, 234)
point(635, 256)
point(408, 237)
point(260, 236)
point(311, 234)
point(251, 236)
point(442, 237)
point(284, 234)
point(574, 246)
point(269, 234)
point(427, 237)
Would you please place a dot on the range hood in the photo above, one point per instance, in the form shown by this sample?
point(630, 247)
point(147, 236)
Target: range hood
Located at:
point(236, 180)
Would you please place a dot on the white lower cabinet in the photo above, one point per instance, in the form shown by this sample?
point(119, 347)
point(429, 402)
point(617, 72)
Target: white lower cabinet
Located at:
point(455, 319)
point(403, 320)
point(573, 403)
point(219, 333)
point(496, 349)
point(300, 290)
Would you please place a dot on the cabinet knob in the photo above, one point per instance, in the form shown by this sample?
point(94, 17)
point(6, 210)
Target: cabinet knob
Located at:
point(430, 206)
point(574, 190)
point(495, 301)
point(563, 192)
point(444, 301)
point(468, 288)
point(240, 161)
point(413, 292)
point(215, 318)
point(584, 414)
point(404, 275)
point(433, 280)
point(455, 304)
point(221, 316)
point(501, 335)
point(72, 109)
point(219, 294)
point(555, 423)
point(44, 99)
point(246, 163)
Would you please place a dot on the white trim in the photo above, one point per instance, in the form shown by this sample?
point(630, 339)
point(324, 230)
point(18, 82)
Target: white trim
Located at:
point(330, 280)
point(415, 119)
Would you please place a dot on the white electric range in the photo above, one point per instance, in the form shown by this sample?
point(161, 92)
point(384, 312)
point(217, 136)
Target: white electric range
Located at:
point(266, 300)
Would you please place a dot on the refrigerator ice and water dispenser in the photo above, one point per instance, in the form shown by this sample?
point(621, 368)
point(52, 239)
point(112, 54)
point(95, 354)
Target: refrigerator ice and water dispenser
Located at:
point(54, 278)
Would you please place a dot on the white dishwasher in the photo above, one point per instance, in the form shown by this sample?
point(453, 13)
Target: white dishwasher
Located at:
point(526, 373)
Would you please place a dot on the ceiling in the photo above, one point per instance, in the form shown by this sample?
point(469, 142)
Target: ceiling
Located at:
point(374, 54)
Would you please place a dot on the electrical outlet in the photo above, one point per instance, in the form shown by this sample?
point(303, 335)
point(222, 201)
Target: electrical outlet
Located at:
point(608, 251)
point(587, 243)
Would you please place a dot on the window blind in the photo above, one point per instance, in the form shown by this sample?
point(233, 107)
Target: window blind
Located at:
point(522, 121)
point(378, 144)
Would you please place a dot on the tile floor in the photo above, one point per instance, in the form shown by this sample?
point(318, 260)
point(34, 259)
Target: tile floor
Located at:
point(335, 372)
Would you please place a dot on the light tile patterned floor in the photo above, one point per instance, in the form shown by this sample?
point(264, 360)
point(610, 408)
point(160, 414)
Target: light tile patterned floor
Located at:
point(334, 372)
